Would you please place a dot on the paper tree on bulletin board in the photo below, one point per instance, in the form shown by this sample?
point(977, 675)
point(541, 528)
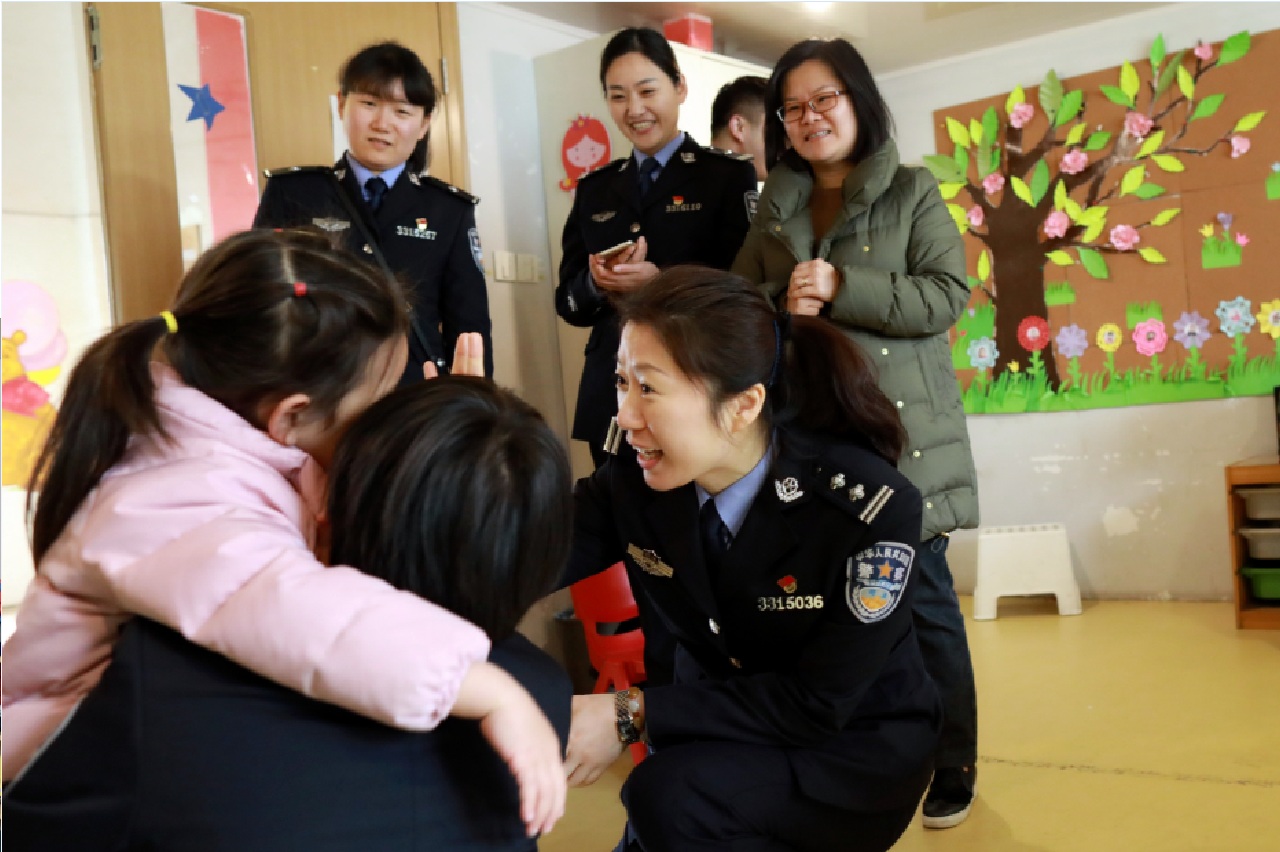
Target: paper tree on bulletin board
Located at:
point(1080, 202)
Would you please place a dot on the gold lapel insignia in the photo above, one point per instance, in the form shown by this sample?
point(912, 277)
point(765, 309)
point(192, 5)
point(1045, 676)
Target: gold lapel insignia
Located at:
point(837, 481)
point(649, 562)
point(857, 492)
point(788, 489)
point(687, 156)
point(340, 173)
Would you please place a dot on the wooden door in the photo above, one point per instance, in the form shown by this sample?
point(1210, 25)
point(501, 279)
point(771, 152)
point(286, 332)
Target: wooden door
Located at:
point(295, 51)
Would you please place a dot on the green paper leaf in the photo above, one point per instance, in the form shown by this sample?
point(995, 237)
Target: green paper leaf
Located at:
point(958, 214)
point(984, 265)
point(1016, 97)
point(1129, 81)
point(950, 190)
point(1207, 107)
point(962, 161)
point(995, 160)
point(1132, 180)
point(990, 125)
point(1050, 94)
point(1151, 144)
point(1151, 255)
point(1094, 215)
point(1072, 209)
point(1059, 257)
point(1148, 191)
point(1097, 141)
point(1059, 195)
point(1070, 107)
point(1164, 217)
point(1169, 72)
point(1157, 52)
point(1092, 232)
point(943, 168)
point(1234, 48)
point(1116, 96)
point(975, 131)
point(1249, 122)
point(1039, 181)
point(1168, 162)
point(959, 136)
point(1075, 135)
point(1186, 85)
point(982, 159)
point(1094, 263)
point(1021, 190)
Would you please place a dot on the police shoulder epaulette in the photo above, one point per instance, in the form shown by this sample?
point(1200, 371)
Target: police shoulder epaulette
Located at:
point(294, 170)
point(858, 481)
point(612, 166)
point(461, 194)
point(729, 155)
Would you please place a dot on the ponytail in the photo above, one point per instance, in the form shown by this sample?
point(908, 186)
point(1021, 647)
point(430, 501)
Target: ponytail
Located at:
point(109, 397)
point(828, 386)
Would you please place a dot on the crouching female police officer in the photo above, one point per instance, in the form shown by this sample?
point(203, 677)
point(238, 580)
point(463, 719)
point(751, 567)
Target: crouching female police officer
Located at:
point(759, 510)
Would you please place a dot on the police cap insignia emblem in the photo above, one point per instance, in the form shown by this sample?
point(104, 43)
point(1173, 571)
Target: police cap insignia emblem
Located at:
point(876, 580)
point(788, 489)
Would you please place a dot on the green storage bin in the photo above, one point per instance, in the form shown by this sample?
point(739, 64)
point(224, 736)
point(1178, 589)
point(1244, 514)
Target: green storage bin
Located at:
point(1264, 581)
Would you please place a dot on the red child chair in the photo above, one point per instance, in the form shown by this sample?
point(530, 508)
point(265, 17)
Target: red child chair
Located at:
point(619, 658)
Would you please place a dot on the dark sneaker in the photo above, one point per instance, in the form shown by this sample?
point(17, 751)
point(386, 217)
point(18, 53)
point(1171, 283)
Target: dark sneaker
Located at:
point(950, 796)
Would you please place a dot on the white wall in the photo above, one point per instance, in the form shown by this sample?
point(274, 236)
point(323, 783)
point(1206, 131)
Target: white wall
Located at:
point(504, 159)
point(52, 214)
point(1140, 490)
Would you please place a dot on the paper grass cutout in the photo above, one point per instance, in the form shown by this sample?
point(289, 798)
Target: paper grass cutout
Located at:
point(1225, 251)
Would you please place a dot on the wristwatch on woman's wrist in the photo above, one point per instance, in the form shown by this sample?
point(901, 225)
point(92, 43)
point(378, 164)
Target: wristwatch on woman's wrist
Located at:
point(630, 715)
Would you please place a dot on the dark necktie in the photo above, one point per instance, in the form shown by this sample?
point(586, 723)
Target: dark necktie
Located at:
point(715, 537)
point(376, 187)
point(648, 174)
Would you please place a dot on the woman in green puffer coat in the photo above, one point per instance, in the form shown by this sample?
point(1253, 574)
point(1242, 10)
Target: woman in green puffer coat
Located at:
point(846, 232)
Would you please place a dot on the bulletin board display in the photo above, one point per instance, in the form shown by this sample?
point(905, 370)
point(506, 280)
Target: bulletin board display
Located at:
point(1121, 230)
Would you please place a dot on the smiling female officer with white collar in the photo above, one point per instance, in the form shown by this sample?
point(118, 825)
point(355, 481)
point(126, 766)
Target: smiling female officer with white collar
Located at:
point(387, 208)
point(759, 510)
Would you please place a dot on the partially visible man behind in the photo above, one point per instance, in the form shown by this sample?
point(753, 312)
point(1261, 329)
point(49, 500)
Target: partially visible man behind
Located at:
point(737, 120)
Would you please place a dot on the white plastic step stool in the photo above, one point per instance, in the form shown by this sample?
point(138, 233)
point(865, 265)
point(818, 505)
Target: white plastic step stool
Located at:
point(1024, 560)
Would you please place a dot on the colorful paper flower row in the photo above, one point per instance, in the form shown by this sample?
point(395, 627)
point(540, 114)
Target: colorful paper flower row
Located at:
point(1150, 336)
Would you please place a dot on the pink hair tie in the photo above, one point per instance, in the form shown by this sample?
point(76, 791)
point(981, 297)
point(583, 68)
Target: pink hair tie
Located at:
point(299, 288)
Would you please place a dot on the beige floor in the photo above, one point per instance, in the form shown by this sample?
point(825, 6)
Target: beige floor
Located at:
point(1144, 727)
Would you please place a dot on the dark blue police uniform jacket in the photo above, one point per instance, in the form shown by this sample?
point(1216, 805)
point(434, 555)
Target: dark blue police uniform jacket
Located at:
point(178, 748)
point(698, 211)
point(426, 230)
point(805, 641)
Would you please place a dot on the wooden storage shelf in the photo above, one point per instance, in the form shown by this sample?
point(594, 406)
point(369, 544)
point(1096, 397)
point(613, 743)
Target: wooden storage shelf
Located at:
point(1264, 470)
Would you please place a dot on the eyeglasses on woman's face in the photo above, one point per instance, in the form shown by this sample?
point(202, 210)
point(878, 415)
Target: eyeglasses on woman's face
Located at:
point(819, 103)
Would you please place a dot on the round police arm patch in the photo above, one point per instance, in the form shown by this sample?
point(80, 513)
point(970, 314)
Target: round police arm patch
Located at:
point(473, 236)
point(876, 579)
point(752, 200)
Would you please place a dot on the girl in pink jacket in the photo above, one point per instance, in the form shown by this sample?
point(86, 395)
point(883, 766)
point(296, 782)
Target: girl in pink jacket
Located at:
point(189, 491)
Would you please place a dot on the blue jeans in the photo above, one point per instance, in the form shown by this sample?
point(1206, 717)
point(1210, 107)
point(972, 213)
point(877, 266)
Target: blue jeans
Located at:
point(940, 630)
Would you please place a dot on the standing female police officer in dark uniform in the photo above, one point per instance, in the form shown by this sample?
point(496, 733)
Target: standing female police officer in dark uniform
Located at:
point(695, 210)
point(760, 510)
point(379, 197)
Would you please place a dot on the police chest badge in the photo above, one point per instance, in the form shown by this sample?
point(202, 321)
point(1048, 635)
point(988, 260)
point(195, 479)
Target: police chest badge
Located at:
point(649, 562)
point(876, 580)
point(331, 225)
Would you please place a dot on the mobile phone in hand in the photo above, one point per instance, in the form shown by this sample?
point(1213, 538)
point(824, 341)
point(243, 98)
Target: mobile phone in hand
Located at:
point(614, 251)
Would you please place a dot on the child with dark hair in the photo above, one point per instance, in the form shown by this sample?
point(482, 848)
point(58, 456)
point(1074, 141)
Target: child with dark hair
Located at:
point(187, 492)
point(454, 491)
point(758, 507)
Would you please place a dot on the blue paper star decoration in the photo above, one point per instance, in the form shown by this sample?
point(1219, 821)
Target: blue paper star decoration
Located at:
point(203, 104)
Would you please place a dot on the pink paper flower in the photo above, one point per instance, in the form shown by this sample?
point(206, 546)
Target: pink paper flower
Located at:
point(1074, 162)
point(993, 183)
point(1125, 237)
point(1242, 240)
point(1137, 125)
point(1240, 146)
point(975, 216)
point(1203, 52)
point(1150, 337)
point(1021, 114)
point(1056, 224)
